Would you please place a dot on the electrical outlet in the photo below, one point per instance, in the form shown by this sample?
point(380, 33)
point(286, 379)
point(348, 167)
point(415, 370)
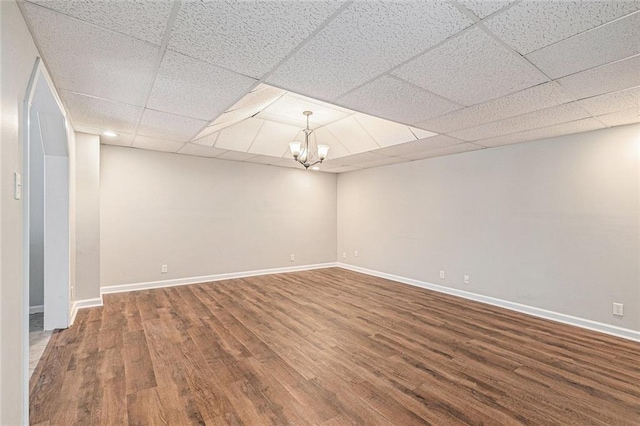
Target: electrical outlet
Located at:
point(356, 253)
point(164, 269)
point(618, 309)
point(466, 279)
point(344, 254)
point(293, 258)
point(442, 275)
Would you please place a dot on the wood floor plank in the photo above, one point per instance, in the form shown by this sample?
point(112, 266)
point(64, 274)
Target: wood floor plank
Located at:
point(327, 347)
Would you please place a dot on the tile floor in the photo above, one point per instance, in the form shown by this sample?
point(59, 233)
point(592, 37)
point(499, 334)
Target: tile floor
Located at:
point(38, 339)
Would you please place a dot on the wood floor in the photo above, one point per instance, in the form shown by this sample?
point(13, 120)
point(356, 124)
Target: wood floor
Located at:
point(327, 347)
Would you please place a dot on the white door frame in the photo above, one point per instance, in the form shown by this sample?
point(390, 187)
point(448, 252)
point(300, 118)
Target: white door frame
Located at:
point(59, 302)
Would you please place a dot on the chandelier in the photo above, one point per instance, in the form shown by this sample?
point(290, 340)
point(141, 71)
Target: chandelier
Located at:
point(302, 152)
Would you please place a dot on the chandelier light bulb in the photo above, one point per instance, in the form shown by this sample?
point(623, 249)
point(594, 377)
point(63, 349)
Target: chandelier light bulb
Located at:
point(296, 149)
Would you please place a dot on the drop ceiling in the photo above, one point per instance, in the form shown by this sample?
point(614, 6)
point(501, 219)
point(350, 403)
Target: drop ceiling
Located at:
point(388, 81)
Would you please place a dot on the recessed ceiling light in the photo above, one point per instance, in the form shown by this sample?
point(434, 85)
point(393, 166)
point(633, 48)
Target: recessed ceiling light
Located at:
point(315, 168)
point(109, 133)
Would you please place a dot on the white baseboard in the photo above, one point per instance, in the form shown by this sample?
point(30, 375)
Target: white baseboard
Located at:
point(85, 303)
point(208, 278)
point(624, 333)
point(38, 309)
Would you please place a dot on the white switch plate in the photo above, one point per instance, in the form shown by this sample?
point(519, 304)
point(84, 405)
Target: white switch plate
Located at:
point(356, 253)
point(164, 269)
point(293, 258)
point(466, 279)
point(344, 254)
point(17, 186)
point(618, 309)
point(442, 275)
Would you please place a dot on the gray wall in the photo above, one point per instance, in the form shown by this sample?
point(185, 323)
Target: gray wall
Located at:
point(551, 224)
point(36, 214)
point(203, 216)
point(87, 223)
point(18, 56)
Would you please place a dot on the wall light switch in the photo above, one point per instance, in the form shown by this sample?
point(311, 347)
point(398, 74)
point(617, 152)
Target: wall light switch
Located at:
point(466, 279)
point(17, 186)
point(442, 275)
point(164, 269)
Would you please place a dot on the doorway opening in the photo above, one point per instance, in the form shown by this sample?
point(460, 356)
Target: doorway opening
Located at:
point(45, 194)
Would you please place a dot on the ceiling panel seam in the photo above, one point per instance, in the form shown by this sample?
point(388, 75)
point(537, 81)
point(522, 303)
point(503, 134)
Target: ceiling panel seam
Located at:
point(585, 31)
point(338, 140)
point(87, 22)
point(254, 137)
point(163, 47)
point(419, 54)
point(293, 51)
point(306, 40)
point(481, 25)
point(367, 132)
point(42, 58)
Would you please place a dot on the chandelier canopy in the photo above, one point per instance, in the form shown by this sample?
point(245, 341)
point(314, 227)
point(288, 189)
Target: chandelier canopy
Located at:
point(301, 151)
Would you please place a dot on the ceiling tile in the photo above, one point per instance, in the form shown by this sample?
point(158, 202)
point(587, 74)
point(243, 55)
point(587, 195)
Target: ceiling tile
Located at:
point(385, 132)
point(447, 150)
point(247, 37)
point(87, 129)
point(145, 20)
point(545, 132)
point(162, 125)
point(365, 40)
point(352, 135)
point(484, 8)
point(194, 88)
point(273, 139)
point(548, 22)
point(289, 108)
point(338, 169)
point(229, 119)
point(612, 102)
point(259, 98)
point(101, 114)
point(235, 156)
point(123, 139)
point(607, 78)
point(239, 136)
point(396, 100)
point(421, 133)
point(207, 140)
point(383, 162)
point(201, 150)
point(324, 137)
point(264, 159)
point(156, 144)
point(621, 117)
point(527, 100)
point(542, 118)
point(289, 163)
point(86, 59)
point(616, 40)
point(421, 145)
point(465, 69)
point(357, 159)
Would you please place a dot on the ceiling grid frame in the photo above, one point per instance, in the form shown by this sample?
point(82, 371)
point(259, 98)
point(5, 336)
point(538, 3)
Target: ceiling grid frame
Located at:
point(298, 47)
point(598, 90)
point(490, 33)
